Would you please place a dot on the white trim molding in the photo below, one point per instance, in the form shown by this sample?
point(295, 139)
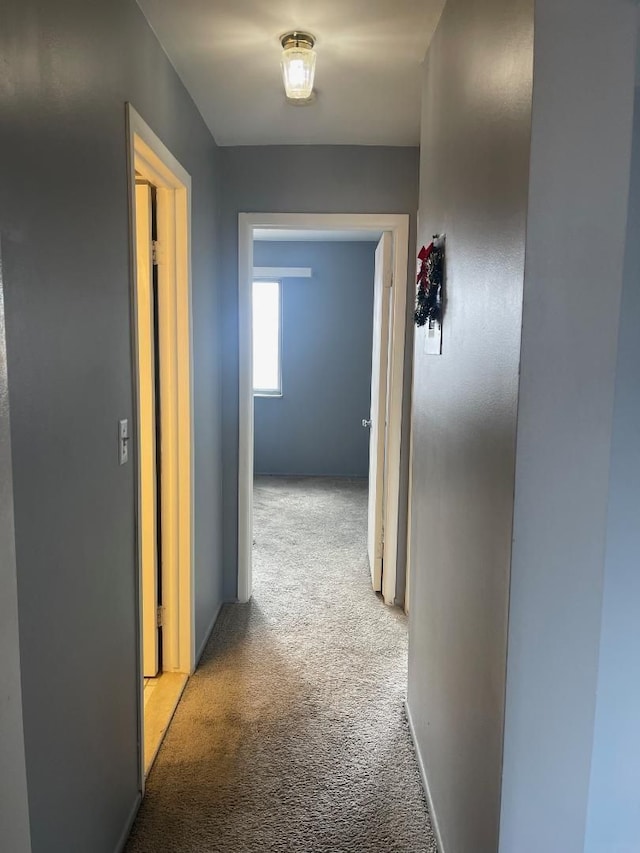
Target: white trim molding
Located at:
point(154, 162)
point(398, 226)
point(425, 781)
point(282, 272)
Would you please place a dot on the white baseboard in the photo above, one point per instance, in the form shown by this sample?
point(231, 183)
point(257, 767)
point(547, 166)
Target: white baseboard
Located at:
point(425, 781)
point(208, 633)
point(127, 827)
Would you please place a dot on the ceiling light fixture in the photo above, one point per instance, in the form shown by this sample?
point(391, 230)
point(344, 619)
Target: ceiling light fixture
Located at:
point(298, 66)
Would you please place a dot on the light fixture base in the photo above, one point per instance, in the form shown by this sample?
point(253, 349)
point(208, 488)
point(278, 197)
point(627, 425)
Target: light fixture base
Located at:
point(301, 102)
point(296, 38)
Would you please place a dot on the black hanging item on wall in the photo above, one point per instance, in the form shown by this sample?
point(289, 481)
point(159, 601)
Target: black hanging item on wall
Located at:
point(430, 295)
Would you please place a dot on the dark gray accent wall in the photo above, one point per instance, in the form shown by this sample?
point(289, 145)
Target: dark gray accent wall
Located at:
point(327, 327)
point(473, 187)
point(614, 796)
point(565, 508)
point(300, 179)
point(14, 806)
point(67, 69)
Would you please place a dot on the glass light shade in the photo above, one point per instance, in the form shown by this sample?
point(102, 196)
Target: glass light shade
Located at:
point(298, 72)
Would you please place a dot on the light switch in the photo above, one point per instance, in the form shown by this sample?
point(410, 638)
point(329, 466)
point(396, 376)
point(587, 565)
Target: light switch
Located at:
point(433, 339)
point(123, 441)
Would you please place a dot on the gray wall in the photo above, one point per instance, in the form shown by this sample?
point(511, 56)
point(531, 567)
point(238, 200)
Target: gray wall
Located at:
point(327, 327)
point(614, 797)
point(14, 807)
point(298, 179)
point(580, 174)
point(473, 186)
point(67, 69)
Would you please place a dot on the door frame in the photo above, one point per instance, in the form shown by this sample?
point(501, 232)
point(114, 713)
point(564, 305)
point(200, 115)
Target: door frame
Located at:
point(148, 156)
point(398, 226)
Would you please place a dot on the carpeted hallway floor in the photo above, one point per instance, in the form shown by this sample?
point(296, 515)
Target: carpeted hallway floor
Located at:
point(291, 737)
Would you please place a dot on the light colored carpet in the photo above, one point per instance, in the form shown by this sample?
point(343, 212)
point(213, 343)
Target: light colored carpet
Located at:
point(291, 736)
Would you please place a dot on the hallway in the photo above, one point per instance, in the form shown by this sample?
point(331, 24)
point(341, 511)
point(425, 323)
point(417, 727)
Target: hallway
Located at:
point(291, 735)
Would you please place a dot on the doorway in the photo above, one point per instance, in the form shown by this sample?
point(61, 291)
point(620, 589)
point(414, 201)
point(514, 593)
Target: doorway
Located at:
point(160, 192)
point(385, 516)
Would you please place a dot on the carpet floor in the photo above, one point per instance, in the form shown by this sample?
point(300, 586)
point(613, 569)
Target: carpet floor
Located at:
point(291, 736)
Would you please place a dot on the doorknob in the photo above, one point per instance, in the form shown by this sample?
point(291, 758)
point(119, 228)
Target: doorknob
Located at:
point(366, 423)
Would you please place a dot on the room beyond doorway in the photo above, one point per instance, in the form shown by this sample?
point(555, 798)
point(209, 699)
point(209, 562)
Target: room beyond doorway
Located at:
point(312, 343)
point(394, 429)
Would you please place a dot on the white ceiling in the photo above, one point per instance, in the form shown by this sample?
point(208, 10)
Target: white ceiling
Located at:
point(286, 235)
point(227, 53)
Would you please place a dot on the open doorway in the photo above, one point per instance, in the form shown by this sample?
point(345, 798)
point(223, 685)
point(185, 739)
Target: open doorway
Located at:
point(160, 208)
point(382, 415)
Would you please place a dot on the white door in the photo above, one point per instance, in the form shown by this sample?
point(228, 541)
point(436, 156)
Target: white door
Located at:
point(147, 432)
point(378, 416)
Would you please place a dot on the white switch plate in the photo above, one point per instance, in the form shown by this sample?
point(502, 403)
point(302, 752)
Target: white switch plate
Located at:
point(123, 441)
point(433, 339)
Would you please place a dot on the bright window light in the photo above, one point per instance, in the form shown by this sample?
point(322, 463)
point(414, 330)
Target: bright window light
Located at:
point(266, 338)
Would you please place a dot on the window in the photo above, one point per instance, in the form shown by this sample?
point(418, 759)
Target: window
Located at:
point(266, 338)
